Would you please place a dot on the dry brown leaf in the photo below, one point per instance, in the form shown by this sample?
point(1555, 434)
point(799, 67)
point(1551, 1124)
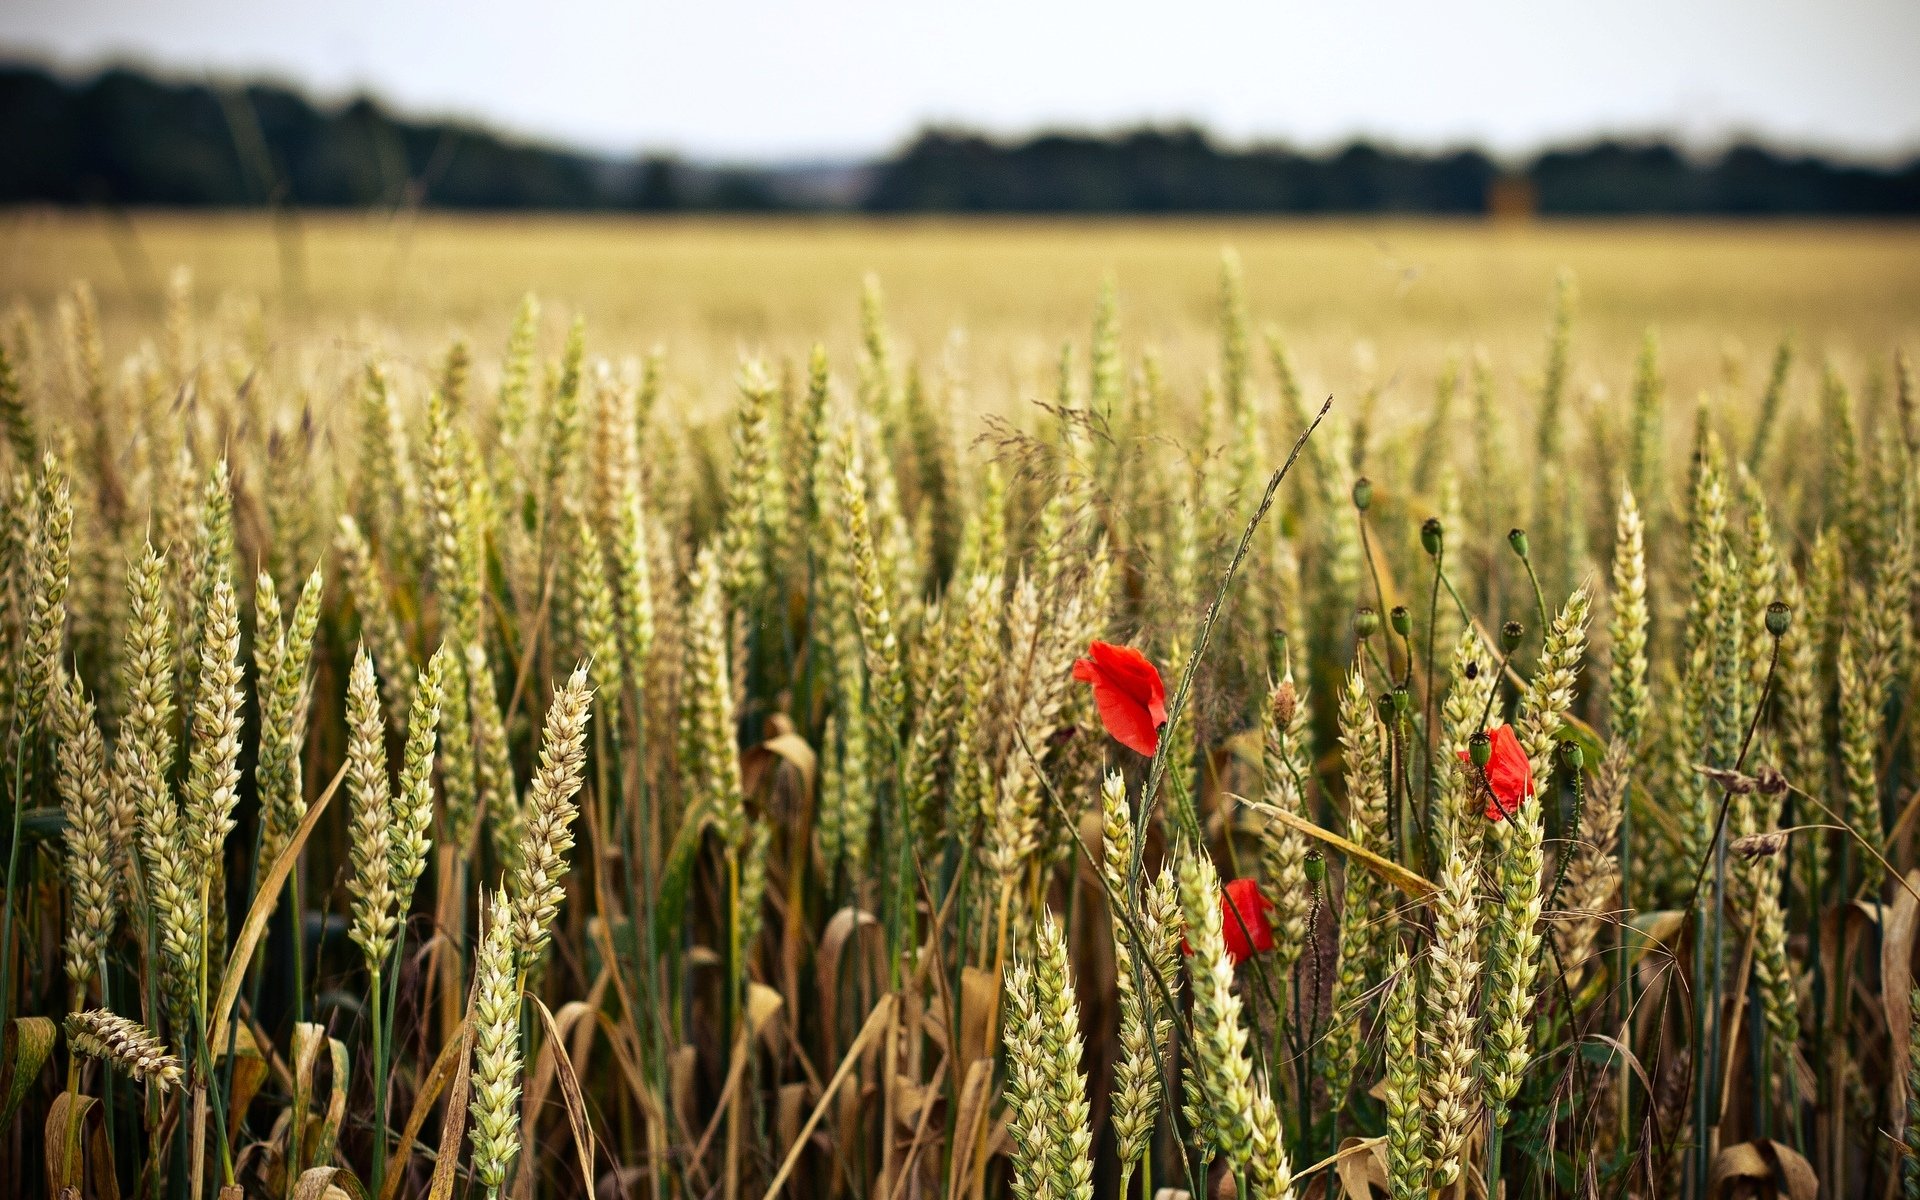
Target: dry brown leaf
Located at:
point(437, 1077)
point(1361, 1164)
point(790, 1105)
point(77, 1151)
point(25, 1046)
point(249, 1072)
point(844, 926)
point(1896, 981)
point(454, 1128)
point(979, 990)
point(976, 1094)
point(570, 1095)
point(877, 1021)
point(681, 1066)
point(1416, 886)
point(329, 1183)
point(763, 1012)
point(1762, 1170)
point(265, 897)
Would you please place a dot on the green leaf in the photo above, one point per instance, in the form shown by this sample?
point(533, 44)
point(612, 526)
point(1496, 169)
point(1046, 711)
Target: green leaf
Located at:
point(677, 880)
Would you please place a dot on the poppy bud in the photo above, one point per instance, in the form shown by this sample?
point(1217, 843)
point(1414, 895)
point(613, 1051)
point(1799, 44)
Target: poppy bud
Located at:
point(1401, 619)
point(1480, 749)
point(1510, 634)
point(1362, 493)
point(1779, 618)
point(1431, 535)
point(1366, 622)
point(1403, 700)
point(1517, 538)
point(1316, 867)
point(1571, 756)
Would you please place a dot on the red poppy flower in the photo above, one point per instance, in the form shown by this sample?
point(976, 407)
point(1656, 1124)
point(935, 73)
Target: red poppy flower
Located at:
point(1509, 777)
point(1132, 700)
point(1243, 918)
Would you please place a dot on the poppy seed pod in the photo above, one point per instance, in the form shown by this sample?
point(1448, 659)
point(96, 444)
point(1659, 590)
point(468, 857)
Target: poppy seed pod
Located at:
point(1362, 493)
point(1316, 867)
point(1571, 756)
point(1779, 618)
point(1366, 623)
point(1401, 620)
point(1510, 634)
point(1480, 749)
point(1385, 708)
point(1403, 700)
point(1432, 536)
point(1517, 538)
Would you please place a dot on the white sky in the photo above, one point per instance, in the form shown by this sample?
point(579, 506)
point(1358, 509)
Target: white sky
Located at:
point(759, 79)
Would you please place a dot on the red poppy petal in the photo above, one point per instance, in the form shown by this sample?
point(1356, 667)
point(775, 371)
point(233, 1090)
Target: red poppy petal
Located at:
point(1085, 671)
point(1244, 918)
point(1125, 718)
point(1129, 670)
point(1508, 772)
point(1237, 948)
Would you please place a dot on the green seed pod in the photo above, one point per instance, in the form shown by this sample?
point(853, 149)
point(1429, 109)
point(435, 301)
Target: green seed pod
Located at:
point(1432, 536)
point(1517, 538)
point(1480, 749)
point(1403, 700)
point(1316, 867)
point(1366, 622)
point(1510, 634)
point(1779, 618)
point(1362, 493)
point(1385, 708)
point(1571, 756)
point(1401, 619)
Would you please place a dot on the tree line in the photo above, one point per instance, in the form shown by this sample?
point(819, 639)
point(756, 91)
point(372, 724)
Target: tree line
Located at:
point(124, 137)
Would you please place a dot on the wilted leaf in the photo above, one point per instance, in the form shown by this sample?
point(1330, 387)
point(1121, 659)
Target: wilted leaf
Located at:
point(570, 1096)
point(77, 1149)
point(329, 1183)
point(1361, 1165)
point(24, 1049)
point(1762, 1170)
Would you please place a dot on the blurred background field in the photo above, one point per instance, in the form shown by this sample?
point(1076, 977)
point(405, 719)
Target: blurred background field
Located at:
point(1363, 304)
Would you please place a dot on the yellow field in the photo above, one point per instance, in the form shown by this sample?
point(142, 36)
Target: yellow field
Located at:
point(788, 655)
point(1361, 303)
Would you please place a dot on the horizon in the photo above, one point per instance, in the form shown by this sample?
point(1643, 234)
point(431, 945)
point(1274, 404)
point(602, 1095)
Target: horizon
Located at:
point(1695, 147)
point(747, 82)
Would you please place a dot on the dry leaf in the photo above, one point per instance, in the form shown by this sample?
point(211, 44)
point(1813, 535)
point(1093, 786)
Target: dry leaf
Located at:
point(1762, 1170)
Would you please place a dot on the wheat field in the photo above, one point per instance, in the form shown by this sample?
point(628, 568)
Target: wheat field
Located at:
point(606, 708)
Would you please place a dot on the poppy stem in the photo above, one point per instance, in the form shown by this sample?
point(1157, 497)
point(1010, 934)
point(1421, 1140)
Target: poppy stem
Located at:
point(1426, 699)
point(1379, 593)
